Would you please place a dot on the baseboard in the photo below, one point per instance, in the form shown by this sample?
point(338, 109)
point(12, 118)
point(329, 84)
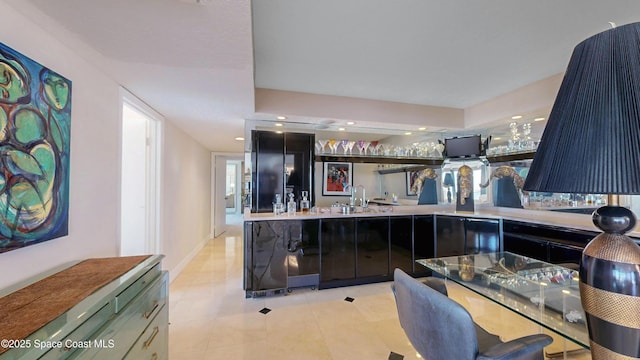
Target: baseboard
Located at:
point(173, 273)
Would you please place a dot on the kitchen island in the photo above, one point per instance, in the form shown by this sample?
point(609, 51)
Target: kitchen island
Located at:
point(330, 249)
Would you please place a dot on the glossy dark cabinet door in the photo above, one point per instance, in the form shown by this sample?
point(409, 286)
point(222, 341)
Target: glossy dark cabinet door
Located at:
point(338, 246)
point(401, 242)
point(299, 165)
point(372, 247)
point(265, 255)
point(268, 169)
point(482, 236)
point(423, 241)
point(282, 163)
point(303, 247)
point(450, 236)
point(547, 243)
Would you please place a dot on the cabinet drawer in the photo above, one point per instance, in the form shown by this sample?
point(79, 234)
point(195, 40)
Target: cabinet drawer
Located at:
point(81, 336)
point(134, 289)
point(153, 343)
point(126, 327)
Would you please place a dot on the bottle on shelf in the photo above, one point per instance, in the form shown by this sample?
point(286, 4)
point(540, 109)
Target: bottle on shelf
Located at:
point(304, 203)
point(278, 206)
point(291, 205)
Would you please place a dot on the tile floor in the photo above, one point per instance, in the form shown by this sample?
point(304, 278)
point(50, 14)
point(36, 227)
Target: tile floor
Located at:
point(211, 319)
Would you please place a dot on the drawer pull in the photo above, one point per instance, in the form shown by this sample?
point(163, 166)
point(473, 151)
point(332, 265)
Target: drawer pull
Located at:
point(154, 356)
point(148, 313)
point(147, 343)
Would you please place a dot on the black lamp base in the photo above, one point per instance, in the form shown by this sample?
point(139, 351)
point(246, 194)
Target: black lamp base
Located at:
point(610, 286)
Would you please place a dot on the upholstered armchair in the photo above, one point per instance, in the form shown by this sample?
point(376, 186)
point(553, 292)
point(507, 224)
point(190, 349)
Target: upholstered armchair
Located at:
point(440, 328)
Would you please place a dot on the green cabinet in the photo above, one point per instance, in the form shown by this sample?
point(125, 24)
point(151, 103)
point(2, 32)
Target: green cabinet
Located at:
point(125, 318)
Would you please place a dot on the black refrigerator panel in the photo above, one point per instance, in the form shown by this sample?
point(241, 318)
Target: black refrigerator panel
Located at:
point(268, 169)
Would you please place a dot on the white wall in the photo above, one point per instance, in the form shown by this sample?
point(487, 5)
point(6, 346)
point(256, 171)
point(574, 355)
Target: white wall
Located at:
point(95, 164)
point(186, 197)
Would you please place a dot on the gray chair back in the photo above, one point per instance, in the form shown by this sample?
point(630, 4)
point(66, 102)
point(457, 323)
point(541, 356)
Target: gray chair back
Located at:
point(438, 327)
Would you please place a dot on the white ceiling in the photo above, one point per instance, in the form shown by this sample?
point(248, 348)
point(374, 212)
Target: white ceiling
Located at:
point(193, 61)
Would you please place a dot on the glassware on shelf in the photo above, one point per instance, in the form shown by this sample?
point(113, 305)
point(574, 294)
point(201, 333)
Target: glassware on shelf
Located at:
point(333, 145)
point(347, 145)
point(322, 144)
point(380, 149)
point(362, 146)
point(374, 147)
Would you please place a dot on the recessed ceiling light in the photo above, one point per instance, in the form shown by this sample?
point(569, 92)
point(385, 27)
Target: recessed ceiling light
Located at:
point(516, 117)
point(350, 123)
point(539, 119)
point(341, 129)
point(497, 138)
point(239, 138)
point(279, 124)
point(408, 133)
point(278, 132)
point(281, 117)
point(422, 128)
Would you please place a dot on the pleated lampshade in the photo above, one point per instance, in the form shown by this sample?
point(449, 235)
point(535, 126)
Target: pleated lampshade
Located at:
point(591, 143)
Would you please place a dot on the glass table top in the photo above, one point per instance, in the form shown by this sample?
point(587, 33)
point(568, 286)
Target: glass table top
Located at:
point(545, 293)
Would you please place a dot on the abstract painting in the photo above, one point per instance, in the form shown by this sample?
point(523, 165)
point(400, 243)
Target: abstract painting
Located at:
point(35, 123)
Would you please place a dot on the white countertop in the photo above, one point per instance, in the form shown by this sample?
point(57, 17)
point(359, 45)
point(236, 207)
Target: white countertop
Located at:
point(543, 217)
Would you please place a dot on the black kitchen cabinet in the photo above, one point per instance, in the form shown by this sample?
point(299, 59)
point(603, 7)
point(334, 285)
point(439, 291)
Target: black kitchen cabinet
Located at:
point(303, 253)
point(281, 164)
point(482, 235)
point(544, 242)
point(372, 247)
point(265, 259)
point(338, 251)
point(450, 234)
point(456, 235)
point(401, 243)
point(423, 242)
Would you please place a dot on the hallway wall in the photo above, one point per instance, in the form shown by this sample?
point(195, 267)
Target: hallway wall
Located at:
point(94, 218)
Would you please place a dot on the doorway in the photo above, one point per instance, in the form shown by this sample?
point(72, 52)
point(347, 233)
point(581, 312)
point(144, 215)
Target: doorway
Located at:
point(140, 177)
point(227, 191)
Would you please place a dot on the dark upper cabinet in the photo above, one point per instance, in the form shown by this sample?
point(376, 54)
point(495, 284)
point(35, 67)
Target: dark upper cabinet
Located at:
point(281, 164)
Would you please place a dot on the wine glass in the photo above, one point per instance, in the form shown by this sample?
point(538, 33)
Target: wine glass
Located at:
point(363, 145)
point(322, 144)
point(374, 147)
point(347, 145)
point(333, 145)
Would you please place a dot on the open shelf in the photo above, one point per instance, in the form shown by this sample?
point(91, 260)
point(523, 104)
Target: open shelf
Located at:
point(380, 160)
